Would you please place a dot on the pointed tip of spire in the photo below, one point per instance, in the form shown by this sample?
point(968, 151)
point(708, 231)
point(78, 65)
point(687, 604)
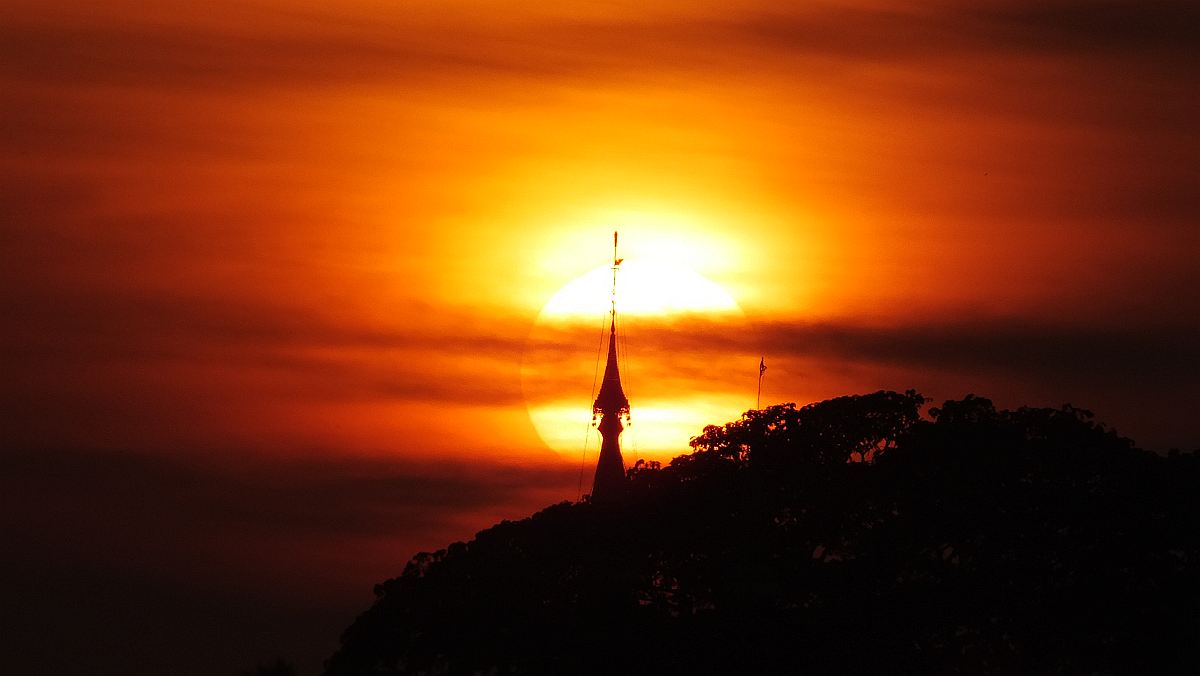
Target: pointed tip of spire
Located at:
point(611, 398)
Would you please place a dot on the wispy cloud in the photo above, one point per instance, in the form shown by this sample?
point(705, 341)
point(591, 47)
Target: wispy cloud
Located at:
point(280, 551)
point(337, 46)
point(303, 497)
point(245, 246)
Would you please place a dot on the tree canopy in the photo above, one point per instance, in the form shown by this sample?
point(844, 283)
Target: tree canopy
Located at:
point(847, 536)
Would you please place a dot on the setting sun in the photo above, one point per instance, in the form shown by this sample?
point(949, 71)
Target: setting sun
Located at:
point(294, 289)
point(657, 302)
point(644, 287)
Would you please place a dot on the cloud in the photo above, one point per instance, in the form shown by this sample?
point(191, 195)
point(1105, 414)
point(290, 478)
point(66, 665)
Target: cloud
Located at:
point(221, 229)
point(259, 557)
point(328, 497)
point(274, 527)
point(289, 49)
point(1145, 355)
point(1079, 25)
point(1139, 376)
point(1138, 373)
point(1138, 356)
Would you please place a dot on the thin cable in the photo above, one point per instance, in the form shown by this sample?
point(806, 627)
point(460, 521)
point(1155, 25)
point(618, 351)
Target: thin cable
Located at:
point(623, 363)
point(587, 433)
point(623, 357)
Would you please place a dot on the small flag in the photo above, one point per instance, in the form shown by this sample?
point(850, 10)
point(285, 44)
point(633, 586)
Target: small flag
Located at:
point(762, 366)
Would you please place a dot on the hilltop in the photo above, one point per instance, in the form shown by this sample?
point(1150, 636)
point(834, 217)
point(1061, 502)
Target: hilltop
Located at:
point(847, 536)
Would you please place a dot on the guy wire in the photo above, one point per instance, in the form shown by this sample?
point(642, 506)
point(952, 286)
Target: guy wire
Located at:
point(587, 433)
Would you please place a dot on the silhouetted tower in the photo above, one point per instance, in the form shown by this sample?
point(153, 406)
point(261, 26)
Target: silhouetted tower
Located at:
point(611, 404)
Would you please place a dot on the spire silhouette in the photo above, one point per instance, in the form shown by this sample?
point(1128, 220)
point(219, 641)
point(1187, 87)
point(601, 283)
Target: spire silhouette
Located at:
point(612, 397)
point(611, 403)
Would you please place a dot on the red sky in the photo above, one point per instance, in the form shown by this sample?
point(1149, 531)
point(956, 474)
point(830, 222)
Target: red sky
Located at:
point(271, 268)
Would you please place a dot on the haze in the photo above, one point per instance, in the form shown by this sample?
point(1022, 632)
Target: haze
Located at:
point(271, 268)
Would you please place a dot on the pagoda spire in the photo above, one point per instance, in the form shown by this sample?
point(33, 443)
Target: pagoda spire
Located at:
point(611, 404)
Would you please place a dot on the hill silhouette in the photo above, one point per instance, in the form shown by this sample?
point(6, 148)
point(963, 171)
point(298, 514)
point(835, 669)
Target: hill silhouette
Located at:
point(850, 536)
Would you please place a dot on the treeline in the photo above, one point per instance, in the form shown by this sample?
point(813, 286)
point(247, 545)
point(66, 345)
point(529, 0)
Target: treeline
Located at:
point(851, 536)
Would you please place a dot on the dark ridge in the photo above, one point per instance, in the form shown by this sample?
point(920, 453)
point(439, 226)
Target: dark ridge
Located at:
point(851, 536)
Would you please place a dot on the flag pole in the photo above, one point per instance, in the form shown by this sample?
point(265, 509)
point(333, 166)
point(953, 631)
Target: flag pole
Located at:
point(762, 368)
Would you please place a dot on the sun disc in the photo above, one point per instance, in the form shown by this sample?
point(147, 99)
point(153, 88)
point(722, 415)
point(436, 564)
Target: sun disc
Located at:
point(655, 299)
point(644, 287)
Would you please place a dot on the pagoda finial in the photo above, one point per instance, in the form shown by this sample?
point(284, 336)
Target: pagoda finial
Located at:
point(611, 403)
point(611, 398)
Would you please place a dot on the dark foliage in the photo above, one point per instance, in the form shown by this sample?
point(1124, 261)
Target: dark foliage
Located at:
point(278, 668)
point(845, 537)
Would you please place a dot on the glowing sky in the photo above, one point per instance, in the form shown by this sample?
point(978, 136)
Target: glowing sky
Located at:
point(274, 249)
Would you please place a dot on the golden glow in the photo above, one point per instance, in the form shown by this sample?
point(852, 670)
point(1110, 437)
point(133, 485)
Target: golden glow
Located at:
point(644, 287)
point(659, 429)
point(564, 357)
point(245, 233)
point(365, 206)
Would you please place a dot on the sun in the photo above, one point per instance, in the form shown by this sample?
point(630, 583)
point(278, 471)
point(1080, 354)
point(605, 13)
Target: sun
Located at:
point(645, 287)
point(675, 382)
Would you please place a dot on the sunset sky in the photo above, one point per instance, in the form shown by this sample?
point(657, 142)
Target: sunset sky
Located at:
point(274, 272)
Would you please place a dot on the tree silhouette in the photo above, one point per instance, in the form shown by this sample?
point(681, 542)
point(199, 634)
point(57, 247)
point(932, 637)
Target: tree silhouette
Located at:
point(279, 667)
point(847, 536)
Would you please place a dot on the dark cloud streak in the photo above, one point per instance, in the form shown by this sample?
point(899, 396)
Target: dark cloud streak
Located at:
point(330, 49)
point(1167, 355)
point(148, 553)
point(307, 496)
point(1141, 373)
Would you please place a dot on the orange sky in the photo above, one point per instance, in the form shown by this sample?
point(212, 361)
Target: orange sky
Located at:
point(251, 235)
